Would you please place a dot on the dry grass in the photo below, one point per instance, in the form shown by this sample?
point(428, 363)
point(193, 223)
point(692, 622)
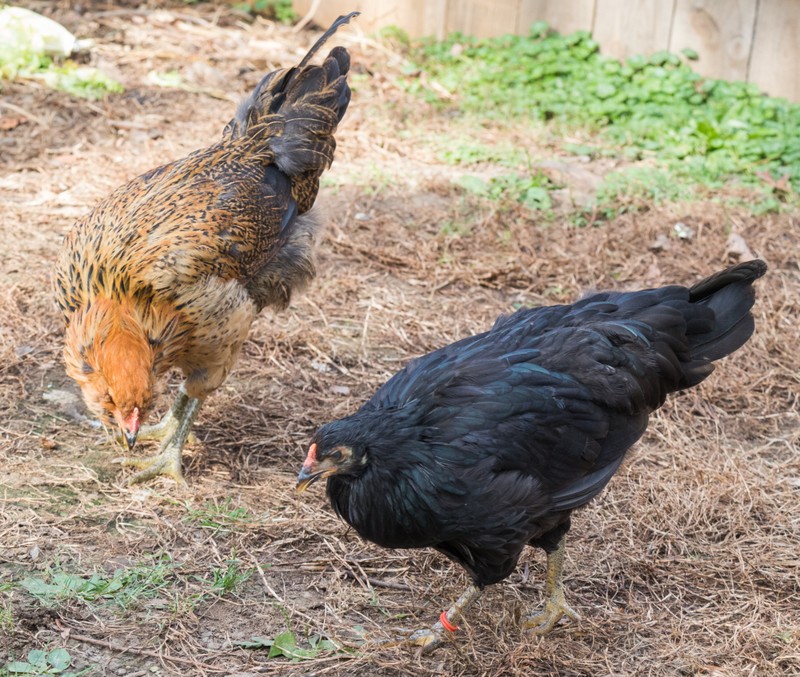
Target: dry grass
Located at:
point(687, 564)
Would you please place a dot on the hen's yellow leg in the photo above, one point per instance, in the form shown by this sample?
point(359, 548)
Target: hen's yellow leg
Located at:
point(174, 430)
point(555, 607)
point(428, 639)
point(166, 428)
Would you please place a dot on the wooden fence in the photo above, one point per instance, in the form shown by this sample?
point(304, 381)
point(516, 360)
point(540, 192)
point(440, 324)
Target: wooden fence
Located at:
point(753, 40)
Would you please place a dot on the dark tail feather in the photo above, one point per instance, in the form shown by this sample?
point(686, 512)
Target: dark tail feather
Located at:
point(341, 21)
point(293, 113)
point(730, 294)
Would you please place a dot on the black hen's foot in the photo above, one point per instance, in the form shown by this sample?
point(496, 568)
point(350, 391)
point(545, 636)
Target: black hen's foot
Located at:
point(428, 639)
point(555, 608)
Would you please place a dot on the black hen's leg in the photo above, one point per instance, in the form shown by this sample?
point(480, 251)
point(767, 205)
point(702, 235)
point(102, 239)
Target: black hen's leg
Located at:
point(427, 639)
point(555, 607)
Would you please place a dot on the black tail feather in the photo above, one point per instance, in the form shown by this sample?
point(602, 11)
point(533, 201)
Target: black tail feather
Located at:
point(341, 21)
point(730, 294)
point(293, 93)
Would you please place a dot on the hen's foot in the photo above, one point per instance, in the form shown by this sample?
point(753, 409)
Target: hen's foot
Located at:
point(428, 639)
point(174, 432)
point(555, 609)
point(167, 463)
point(165, 429)
point(163, 432)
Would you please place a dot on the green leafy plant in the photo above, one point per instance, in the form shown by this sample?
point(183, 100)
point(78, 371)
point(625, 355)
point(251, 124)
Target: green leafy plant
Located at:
point(39, 662)
point(34, 47)
point(635, 187)
point(531, 190)
point(461, 153)
point(124, 587)
point(285, 646)
point(705, 130)
point(280, 10)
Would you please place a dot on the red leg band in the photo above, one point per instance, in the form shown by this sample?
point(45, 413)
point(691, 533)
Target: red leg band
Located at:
point(447, 625)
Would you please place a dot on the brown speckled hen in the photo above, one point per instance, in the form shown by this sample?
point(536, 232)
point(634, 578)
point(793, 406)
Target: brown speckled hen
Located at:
point(171, 269)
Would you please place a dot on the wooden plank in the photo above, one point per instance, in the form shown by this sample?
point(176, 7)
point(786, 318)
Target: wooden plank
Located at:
point(720, 33)
point(418, 18)
point(776, 49)
point(328, 10)
point(482, 18)
point(565, 16)
point(625, 27)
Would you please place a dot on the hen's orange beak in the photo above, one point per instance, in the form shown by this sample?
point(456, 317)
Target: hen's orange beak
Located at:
point(130, 427)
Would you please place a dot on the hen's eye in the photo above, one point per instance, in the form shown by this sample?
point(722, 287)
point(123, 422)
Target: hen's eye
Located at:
point(336, 455)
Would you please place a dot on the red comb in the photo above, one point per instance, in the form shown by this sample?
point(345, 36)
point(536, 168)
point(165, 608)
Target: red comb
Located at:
point(311, 459)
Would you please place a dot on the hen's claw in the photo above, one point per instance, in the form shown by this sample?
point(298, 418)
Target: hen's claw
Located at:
point(163, 432)
point(555, 607)
point(174, 430)
point(428, 639)
point(168, 463)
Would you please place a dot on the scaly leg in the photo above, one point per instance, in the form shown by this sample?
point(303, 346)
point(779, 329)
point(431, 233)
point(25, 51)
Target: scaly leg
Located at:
point(429, 639)
point(164, 430)
point(173, 431)
point(556, 606)
point(166, 427)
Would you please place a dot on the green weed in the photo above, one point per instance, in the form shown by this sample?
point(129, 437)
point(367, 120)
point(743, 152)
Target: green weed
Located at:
point(22, 56)
point(532, 190)
point(220, 515)
point(461, 153)
point(285, 646)
point(39, 662)
point(124, 587)
point(636, 187)
point(394, 35)
point(228, 578)
point(6, 612)
point(280, 10)
point(654, 107)
point(455, 228)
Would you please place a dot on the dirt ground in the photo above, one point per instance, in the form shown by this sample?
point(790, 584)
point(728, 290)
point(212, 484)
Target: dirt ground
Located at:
point(689, 562)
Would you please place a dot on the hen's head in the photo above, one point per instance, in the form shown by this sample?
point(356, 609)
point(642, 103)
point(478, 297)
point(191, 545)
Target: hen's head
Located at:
point(108, 354)
point(339, 448)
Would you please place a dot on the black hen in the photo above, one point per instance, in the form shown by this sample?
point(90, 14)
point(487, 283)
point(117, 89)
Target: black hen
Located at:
point(487, 445)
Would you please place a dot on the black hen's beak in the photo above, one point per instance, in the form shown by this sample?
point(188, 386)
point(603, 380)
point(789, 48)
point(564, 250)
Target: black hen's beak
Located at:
point(305, 479)
point(310, 472)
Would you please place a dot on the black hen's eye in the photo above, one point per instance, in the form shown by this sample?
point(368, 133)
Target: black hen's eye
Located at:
point(335, 455)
